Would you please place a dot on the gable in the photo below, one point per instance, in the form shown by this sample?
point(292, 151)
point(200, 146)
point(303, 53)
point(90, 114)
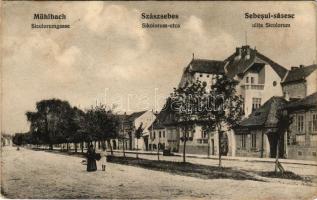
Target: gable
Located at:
point(299, 74)
point(245, 57)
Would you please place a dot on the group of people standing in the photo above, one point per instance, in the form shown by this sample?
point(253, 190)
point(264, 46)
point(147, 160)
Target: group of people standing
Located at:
point(92, 156)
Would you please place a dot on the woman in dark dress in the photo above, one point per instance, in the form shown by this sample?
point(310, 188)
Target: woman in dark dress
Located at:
point(91, 161)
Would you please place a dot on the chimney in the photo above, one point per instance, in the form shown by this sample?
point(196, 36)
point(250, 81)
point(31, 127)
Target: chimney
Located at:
point(293, 68)
point(247, 56)
point(286, 96)
point(301, 66)
point(238, 53)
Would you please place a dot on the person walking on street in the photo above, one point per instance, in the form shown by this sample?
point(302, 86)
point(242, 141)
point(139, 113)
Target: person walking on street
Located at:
point(103, 160)
point(91, 159)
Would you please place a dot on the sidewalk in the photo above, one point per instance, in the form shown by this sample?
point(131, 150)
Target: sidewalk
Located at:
point(246, 159)
point(214, 157)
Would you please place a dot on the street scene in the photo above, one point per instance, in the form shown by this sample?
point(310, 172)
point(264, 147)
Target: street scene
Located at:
point(174, 100)
point(38, 174)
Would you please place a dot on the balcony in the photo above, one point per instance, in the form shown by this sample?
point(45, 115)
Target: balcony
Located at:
point(253, 87)
point(202, 141)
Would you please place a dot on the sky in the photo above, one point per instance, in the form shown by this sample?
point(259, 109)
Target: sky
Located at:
point(107, 57)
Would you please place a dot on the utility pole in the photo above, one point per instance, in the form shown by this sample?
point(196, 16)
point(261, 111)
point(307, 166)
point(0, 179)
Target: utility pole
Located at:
point(123, 137)
point(158, 148)
point(152, 131)
point(158, 141)
point(246, 38)
point(208, 144)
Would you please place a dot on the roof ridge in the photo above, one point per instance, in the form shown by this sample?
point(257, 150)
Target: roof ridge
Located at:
point(205, 59)
point(286, 74)
point(272, 63)
point(299, 73)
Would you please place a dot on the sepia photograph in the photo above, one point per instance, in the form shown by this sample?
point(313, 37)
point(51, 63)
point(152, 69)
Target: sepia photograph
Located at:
point(158, 100)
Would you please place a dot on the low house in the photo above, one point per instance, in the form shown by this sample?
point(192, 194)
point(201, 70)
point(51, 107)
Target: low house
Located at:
point(158, 136)
point(300, 82)
point(127, 128)
point(302, 135)
point(164, 130)
point(6, 139)
point(256, 135)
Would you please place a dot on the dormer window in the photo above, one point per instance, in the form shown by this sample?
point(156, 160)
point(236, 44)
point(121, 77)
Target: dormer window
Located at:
point(274, 83)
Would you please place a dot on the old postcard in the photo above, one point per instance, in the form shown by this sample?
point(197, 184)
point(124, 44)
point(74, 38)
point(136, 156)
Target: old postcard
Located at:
point(158, 100)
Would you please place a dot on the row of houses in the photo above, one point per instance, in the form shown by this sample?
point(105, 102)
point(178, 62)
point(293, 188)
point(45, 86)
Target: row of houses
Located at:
point(265, 86)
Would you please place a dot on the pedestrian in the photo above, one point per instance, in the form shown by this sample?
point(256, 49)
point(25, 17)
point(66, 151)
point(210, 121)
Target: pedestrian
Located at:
point(103, 155)
point(91, 159)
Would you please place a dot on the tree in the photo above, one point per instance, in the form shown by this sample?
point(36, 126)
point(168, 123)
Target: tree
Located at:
point(222, 108)
point(284, 121)
point(53, 121)
point(138, 135)
point(122, 133)
point(23, 138)
point(79, 135)
point(101, 124)
point(186, 106)
point(18, 139)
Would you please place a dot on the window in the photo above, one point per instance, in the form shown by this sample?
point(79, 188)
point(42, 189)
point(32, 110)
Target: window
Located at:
point(154, 135)
point(310, 126)
point(256, 103)
point(160, 134)
point(247, 79)
point(163, 134)
point(204, 134)
point(252, 80)
point(300, 123)
point(190, 136)
point(208, 76)
point(243, 136)
point(253, 140)
point(274, 83)
point(314, 122)
point(243, 105)
point(299, 153)
point(200, 75)
point(314, 154)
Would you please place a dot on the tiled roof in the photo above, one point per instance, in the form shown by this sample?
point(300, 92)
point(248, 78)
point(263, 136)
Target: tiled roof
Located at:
point(135, 115)
point(122, 117)
point(265, 116)
point(307, 102)
point(157, 124)
point(299, 73)
point(206, 66)
point(166, 117)
point(239, 66)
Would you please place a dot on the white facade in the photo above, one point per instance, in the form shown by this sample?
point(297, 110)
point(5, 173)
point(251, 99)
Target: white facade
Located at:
point(158, 138)
point(257, 87)
point(146, 120)
point(311, 83)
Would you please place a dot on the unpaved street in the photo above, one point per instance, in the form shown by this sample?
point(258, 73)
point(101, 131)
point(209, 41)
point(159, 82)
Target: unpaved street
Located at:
point(38, 174)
